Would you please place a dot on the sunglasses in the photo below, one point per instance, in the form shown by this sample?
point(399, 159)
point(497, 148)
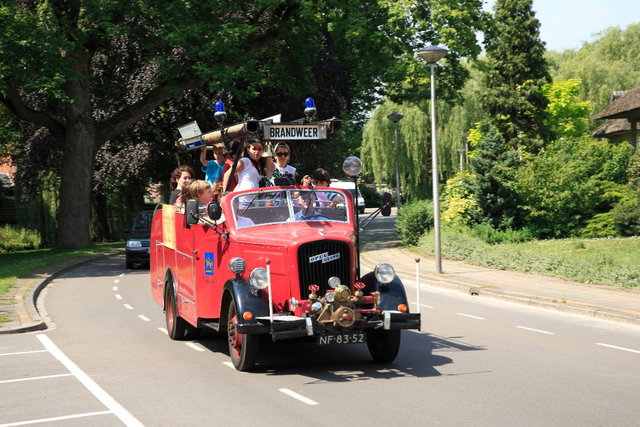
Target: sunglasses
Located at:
point(281, 154)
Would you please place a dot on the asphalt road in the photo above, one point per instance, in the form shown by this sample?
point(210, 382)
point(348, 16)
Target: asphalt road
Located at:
point(476, 362)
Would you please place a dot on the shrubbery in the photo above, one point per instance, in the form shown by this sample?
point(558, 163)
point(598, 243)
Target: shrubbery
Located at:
point(16, 239)
point(414, 219)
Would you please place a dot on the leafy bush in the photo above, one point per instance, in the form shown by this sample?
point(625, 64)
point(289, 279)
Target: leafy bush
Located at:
point(458, 202)
point(492, 236)
point(569, 183)
point(611, 261)
point(414, 219)
point(15, 239)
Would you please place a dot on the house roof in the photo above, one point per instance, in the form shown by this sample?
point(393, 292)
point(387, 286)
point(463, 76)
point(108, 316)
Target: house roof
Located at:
point(626, 106)
point(612, 127)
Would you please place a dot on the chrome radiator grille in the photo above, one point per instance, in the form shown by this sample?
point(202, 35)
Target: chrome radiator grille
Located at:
point(317, 261)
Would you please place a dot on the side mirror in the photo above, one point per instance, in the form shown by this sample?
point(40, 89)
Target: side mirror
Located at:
point(214, 210)
point(191, 215)
point(385, 209)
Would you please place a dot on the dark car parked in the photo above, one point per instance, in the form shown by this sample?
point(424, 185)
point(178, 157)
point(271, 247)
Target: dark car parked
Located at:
point(137, 249)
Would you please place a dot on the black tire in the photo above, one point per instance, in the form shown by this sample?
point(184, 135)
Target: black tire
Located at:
point(176, 325)
point(243, 348)
point(383, 345)
point(386, 204)
point(361, 210)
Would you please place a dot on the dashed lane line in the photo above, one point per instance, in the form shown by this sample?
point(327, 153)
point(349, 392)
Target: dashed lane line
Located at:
point(115, 288)
point(121, 274)
point(229, 364)
point(426, 306)
point(118, 296)
point(471, 316)
point(143, 317)
point(108, 401)
point(297, 396)
point(540, 331)
point(62, 418)
point(163, 330)
point(618, 348)
point(127, 306)
point(116, 281)
point(45, 377)
point(194, 346)
point(23, 352)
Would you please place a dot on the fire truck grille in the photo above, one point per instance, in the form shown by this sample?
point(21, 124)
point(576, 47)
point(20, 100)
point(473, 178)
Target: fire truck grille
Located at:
point(318, 261)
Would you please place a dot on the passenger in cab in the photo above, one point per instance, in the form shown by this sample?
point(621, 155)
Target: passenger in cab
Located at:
point(251, 167)
point(307, 212)
point(321, 178)
point(284, 173)
point(201, 192)
point(180, 177)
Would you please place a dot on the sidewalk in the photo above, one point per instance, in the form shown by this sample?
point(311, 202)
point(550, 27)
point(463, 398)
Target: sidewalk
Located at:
point(19, 304)
point(599, 301)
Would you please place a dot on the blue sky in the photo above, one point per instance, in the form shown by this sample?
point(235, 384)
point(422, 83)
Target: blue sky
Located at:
point(566, 24)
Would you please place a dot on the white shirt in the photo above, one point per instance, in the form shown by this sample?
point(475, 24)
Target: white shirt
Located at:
point(248, 178)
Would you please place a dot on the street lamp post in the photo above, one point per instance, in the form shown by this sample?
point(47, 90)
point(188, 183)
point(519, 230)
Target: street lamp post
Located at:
point(395, 118)
point(431, 55)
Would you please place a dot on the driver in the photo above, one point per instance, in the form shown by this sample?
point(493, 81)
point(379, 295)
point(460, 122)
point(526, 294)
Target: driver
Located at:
point(307, 210)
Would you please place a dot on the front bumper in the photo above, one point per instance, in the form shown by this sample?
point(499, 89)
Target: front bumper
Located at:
point(288, 327)
point(137, 254)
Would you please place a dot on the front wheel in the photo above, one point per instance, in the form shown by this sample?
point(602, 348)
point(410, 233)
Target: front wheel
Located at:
point(243, 348)
point(383, 345)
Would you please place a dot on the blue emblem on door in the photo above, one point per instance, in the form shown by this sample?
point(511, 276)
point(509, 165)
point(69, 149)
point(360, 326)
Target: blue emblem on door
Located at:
point(208, 263)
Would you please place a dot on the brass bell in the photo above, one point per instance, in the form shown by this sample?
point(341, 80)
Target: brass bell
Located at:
point(268, 150)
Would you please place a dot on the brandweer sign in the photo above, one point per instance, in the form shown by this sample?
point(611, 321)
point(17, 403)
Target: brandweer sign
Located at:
point(295, 132)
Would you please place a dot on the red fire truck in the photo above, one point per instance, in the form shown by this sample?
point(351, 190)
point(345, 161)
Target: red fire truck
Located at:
point(277, 261)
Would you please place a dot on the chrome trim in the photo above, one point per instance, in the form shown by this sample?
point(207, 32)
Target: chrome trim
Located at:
point(309, 326)
point(387, 320)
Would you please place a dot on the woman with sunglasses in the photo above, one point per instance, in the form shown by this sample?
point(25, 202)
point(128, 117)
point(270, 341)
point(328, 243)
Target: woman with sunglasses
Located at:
point(284, 173)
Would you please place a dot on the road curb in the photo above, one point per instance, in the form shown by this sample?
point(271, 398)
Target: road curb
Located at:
point(565, 306)
point(27, 296)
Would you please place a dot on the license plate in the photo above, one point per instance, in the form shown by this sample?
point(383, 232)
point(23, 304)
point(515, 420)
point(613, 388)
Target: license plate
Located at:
point(342, 338)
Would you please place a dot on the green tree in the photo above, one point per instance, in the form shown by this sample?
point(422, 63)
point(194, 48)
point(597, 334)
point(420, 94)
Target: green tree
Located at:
point(567, 117)
point(62, 64)
point(515, 70)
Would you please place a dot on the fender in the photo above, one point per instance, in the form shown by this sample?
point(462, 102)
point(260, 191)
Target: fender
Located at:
point(391, 294)
point(247, 298)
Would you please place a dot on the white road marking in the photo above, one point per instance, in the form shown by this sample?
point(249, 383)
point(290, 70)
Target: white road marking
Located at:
point(536, 330)
point(163, 330)
point(194, 346)
point(47, 420)
point(297, 396)
point(127, 306)
point(426, 306)
point(143, 317)
point(17, 380)
point(229, 364)
point(121, 274)
point(108, 401)
point(115, 288)
point(617, 348)
point(118, 296)
point(23, 352)
point(116, 281)
point(470, 316)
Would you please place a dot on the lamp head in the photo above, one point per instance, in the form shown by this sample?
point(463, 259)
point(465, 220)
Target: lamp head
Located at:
point(352, 166)
point(432, 54)
point(395, 117)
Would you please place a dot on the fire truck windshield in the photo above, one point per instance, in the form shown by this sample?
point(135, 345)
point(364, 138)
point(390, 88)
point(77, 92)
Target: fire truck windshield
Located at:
point(266, 206)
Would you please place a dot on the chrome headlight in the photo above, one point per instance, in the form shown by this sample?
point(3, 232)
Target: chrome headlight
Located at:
point(134, 244)
point(259, 278)
point(237, 265)
point(333, 282)
point(384, 273)
point(329, 297)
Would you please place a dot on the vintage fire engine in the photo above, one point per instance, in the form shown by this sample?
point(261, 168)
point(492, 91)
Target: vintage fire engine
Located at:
point(275, 261)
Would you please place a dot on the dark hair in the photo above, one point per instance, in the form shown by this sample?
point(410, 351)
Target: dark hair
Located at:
point(260, 164)
point(177, 172)
point(321, 175)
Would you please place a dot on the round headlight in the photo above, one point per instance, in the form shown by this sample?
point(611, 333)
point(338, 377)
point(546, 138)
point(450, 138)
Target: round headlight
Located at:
point(333, 282)
point(258, 278)
point(384, 273)
point(352, 166)
point(329, 297)
point(237, 265)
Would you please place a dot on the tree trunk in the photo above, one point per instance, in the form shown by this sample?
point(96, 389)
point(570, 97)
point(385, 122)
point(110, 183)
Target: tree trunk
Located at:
point(74, 212)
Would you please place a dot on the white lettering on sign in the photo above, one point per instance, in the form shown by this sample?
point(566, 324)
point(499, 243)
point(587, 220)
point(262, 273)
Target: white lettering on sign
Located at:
point(325, 257)
point(294, 132)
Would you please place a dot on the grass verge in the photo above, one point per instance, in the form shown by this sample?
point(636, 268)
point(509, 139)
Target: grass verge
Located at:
point(17, 264)
point(601, 261)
